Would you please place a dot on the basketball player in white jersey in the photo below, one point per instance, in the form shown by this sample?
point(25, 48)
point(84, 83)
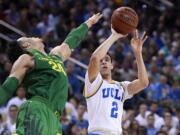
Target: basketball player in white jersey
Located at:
point(104, 96)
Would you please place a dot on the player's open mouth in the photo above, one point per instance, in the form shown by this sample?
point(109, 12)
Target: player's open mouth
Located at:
point(104, 67)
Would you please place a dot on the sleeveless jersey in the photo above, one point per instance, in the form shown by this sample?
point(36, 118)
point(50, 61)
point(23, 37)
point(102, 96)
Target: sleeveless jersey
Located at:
point(105, 105)
point(47, 79)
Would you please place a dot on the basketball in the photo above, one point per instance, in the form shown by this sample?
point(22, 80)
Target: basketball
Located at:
point(124, 20)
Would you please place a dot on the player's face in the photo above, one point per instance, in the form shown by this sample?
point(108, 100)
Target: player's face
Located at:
point(32, 43)
point(106, 65)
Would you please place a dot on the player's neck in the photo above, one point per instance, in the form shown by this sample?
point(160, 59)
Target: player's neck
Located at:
point(108, 78)
point(42, 51)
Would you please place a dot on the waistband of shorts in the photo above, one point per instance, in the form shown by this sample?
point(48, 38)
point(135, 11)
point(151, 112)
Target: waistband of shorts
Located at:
point(47, 103)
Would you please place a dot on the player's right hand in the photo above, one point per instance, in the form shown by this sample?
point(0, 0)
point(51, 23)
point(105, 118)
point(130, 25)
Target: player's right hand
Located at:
point(93, 19)
point(117, 35)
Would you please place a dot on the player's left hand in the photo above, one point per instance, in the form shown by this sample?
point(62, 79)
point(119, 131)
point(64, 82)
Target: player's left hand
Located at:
point(137, 42)
point(117, 35)
point(93, 19)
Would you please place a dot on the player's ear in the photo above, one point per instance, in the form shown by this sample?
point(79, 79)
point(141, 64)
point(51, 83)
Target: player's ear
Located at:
point(25, 45)
point(112, 66)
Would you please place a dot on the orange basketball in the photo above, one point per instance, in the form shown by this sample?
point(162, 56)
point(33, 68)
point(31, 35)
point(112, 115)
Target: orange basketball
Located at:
point(124, 20)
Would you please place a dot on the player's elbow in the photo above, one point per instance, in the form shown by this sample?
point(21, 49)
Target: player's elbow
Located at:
point(145, 83)
point(94, 59)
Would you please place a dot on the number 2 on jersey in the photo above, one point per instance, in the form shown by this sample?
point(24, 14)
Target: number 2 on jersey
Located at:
point(114, 110)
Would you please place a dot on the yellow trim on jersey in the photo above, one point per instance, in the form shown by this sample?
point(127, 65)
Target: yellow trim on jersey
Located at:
point(122, 84)
point(94, 91)
point(112, 82)
point(84, 91)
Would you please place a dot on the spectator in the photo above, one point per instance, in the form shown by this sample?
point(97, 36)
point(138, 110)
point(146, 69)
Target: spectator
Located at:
point(161, 133)
point(154, 71)
point(11, 122)
point(142, 130)
point(151, 130)
point(134, 127)
point(174, 57)
point(65, 121)
point(44, 25)
point(79, 119)
point(70, 109)
point(12, 14)
point(176, 89)
point(73, 129)
point(155, 109)
point(151, 91)
point(34, 30)
point(142, 116)
point(164, 91)
point(128, 117)
point(169, 124)
point(75, 84)
point(19, 99)
point(61, 28)
point(23, 21)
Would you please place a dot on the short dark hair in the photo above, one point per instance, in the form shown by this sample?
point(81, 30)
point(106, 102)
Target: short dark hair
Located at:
point(109, 56)
point(154, 102)
point(82, 104)
point(13, 106)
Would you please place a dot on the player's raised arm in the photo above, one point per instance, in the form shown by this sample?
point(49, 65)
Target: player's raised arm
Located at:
point(142, 81)
point(75, 37)
point(100, 52)
point(20, 67)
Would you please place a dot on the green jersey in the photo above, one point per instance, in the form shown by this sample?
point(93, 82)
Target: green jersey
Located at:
point(47, 79)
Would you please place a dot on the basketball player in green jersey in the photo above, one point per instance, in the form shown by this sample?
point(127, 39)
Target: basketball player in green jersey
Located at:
point(45, 80)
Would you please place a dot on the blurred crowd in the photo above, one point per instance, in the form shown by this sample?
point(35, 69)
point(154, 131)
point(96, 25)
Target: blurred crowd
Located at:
point(155, 111)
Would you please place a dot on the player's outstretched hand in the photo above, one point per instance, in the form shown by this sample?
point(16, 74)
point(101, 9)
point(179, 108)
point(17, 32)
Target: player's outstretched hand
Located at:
point(93, 19)
point(117, 35)
point(137, 42)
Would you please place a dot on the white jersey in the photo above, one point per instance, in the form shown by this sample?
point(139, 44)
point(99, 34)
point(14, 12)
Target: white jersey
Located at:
point(105, 105)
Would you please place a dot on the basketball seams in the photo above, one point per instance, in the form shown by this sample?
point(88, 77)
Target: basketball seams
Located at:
point(124, 20)
point(130, 10)
point(131, 13)
point(134, 19)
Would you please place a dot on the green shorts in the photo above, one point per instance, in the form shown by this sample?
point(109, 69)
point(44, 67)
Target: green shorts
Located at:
point(36, 117)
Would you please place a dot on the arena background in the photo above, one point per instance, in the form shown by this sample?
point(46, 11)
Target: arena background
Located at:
point(53, 19)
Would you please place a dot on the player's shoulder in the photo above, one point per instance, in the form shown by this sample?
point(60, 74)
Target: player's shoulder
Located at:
point(119, 82)
point(25, 60)
point(96, 79)
point(123, 84)
point(25, 57)
point(55, 56)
